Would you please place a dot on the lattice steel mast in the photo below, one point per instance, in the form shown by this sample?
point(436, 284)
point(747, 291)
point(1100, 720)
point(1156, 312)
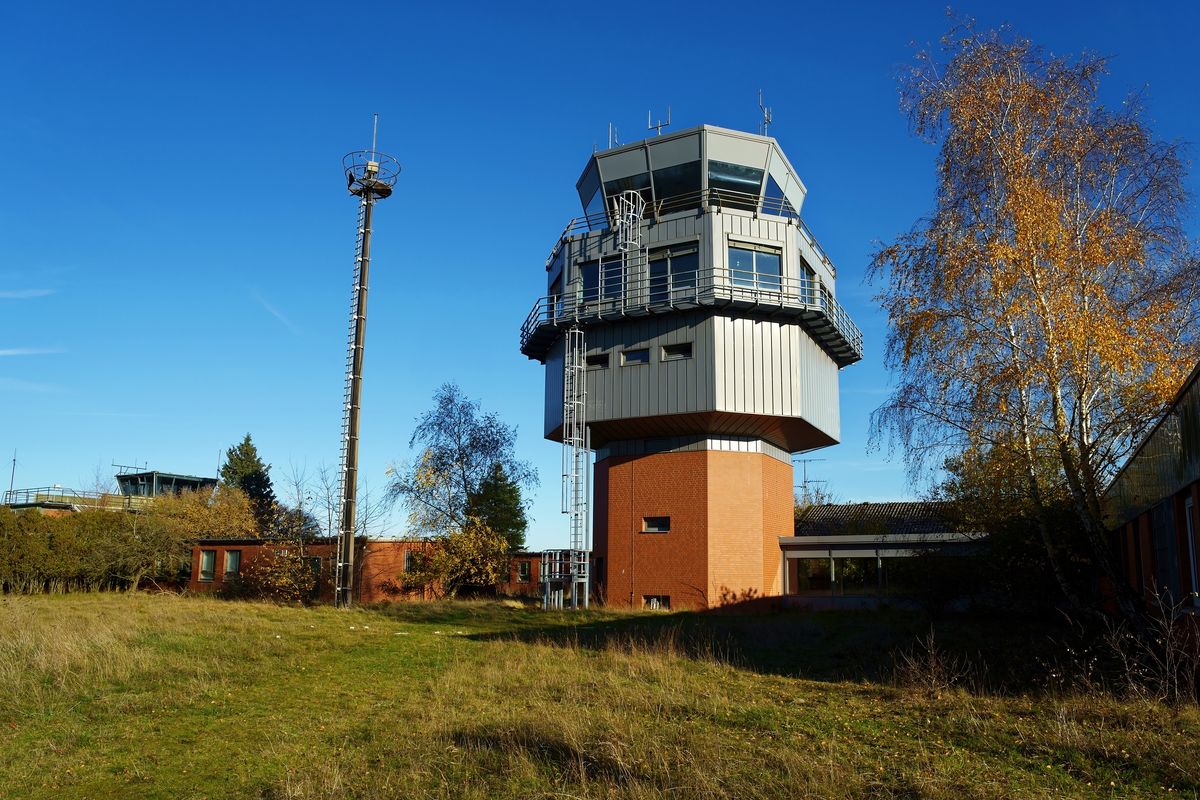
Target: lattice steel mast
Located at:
point(370, 176)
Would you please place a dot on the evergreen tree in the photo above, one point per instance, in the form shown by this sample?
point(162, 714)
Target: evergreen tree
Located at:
point(498, 505)
point(244, 470)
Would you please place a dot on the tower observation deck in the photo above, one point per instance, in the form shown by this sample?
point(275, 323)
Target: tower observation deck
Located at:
point(711, 353)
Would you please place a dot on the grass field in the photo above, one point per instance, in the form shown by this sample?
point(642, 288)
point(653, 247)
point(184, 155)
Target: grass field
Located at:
point(182, 697)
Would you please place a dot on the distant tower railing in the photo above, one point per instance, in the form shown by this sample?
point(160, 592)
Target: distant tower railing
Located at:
point(370, 176)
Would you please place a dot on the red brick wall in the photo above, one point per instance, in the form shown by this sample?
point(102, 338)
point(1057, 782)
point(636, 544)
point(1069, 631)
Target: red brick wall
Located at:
point(638, 564)
point(727, 513)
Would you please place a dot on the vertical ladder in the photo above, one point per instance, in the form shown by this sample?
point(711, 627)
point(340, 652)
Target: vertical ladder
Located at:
point(576, 459)
point(342, 576)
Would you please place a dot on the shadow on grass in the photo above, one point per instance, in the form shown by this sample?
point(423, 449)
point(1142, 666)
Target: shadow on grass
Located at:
point(1001, 653)
point(564, 758)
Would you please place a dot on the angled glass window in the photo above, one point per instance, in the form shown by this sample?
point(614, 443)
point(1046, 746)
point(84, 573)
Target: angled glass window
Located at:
point(594, 211)
point(775, 203)
point(639, 183)
point(673, 272)
point(678, 187)
point(733, 185)
point(755, 268)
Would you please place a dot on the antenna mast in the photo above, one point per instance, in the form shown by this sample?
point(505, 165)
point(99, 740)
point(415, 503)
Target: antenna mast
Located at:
point(657, 128)
point(767, 116)
point(370, 176)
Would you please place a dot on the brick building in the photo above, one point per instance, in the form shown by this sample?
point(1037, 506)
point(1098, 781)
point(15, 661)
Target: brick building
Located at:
point(379, 567)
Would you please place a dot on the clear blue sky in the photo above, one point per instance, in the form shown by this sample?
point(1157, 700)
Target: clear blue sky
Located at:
point(176, 242)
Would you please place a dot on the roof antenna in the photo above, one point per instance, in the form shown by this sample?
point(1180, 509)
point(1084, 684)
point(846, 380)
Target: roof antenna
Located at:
point(658, 128)
point(767, 116)
point(374, 131)
point(614, 139)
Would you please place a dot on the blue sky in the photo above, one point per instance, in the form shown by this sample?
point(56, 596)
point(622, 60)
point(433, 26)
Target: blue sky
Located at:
point(176, 242)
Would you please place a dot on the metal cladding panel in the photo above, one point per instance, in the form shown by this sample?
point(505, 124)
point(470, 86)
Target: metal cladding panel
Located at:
point(622, 164)
point(774, 369)
point(817, 378)
point(554, 389)
point(658, 387)
point(793, 188)
point(673, 151)
point(814, 259)
point(734, 149)
point(1165, 462)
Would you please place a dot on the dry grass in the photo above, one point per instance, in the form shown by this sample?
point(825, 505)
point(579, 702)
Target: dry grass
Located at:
point(160, 696)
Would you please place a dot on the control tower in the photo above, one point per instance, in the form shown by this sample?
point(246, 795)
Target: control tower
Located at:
point(692, 339)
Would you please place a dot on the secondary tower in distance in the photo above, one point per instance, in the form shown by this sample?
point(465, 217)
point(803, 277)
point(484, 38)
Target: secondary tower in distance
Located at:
point(370, 176)
point(710, 353)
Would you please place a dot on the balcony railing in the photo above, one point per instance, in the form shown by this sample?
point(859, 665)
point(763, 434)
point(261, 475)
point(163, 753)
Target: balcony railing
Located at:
point(706, 199)
point(58, 497)
point(805, 300)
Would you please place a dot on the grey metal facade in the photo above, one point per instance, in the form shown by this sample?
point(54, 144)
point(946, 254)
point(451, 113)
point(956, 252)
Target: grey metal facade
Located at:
point(1165, 462)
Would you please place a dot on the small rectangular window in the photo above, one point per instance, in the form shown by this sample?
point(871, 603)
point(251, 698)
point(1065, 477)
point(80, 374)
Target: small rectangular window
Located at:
point(656, 524)
point(233, 563)
point(598, 361)
point(410, 560)
point(656, 602)
point(524, 569)
point(676, 352)
point(208, 564)
point(629, 357)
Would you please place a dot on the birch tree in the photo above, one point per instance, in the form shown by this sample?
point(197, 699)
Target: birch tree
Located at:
point(1046, 307)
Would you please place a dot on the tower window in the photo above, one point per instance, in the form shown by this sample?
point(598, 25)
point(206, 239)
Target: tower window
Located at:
point(673, 272)
point(598, 361)
point(677, 352)
point(631, 357)
point(755, 267)
point(656, 524)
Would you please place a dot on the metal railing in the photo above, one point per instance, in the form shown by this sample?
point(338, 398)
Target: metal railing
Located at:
point(57, 496)
point(805, 298)
point(704, 199)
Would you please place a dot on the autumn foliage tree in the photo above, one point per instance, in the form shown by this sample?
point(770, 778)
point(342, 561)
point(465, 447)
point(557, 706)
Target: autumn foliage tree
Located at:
point(1045, 309)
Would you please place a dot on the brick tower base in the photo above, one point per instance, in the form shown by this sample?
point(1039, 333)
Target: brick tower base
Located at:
point(723, 512)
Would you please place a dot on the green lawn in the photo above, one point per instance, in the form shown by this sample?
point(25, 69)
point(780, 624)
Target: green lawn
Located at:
point(184, 697)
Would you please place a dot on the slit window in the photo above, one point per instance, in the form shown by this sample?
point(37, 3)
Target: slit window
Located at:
point(677, 352)
point(656, 524)
point(598, 361)
point(631, 357)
